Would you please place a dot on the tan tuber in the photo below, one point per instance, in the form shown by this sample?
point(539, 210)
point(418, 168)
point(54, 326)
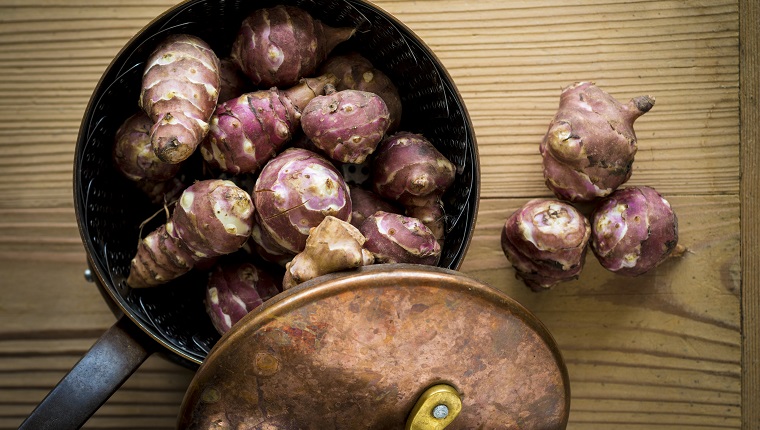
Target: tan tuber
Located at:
point(332, 246)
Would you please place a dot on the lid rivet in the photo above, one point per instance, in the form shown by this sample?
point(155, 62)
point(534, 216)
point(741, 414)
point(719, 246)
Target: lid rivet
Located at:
point(441, 411)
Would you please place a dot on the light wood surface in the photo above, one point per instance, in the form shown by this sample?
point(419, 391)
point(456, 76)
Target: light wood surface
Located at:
point(662, 351)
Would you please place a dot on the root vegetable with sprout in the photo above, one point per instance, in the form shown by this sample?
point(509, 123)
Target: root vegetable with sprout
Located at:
point(546, 241)
point(277, 46)
point(249, 130)
point(211, 218)
point(589, 149)
point(180, 90)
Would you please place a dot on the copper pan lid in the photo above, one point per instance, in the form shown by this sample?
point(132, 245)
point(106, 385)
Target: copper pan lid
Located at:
point(358, 350)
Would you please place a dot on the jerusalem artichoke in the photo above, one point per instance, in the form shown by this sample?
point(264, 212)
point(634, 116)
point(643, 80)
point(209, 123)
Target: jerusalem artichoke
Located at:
point(589, 149)
point(234, 289)
point(332, 246)
point(355, 72)
point(133, 153)
point(212, 218)
point(409, 169)
point(346, 125)
point(277, 46)
point(180, 89)
point(249, 130)
point(546, 242)
point(394, 238)
point(295, 191)
point(633, 230)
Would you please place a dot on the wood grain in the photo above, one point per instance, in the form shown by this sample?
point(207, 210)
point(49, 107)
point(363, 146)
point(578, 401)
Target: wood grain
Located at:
point(674, 349)
point(750, 192)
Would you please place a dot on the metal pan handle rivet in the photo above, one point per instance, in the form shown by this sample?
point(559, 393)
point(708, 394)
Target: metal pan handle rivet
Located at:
point(436, 408)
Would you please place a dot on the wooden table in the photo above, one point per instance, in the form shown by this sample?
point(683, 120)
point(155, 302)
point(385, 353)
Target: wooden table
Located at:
point(674, 349)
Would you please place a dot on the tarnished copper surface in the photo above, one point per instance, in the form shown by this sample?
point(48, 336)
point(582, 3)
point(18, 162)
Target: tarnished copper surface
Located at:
point(356, 351)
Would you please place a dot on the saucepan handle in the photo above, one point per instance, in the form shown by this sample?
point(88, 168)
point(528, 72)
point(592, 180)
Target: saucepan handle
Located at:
point(97, 375)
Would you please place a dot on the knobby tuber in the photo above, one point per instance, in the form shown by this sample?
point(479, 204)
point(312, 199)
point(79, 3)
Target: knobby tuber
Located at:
point(633, 230)
point(332, 246)
point(249, 130)
point(212, 218)
point(355, 72)
point(180, 90)
point(365, 203)
point(277, 46)
point(133, 153)
point(433, 216)
point(589, 149)
point(234, 289)
point(346, 125)
point(233, 82)
point(265, 246)
point(295, 191)
point(546, 242)
point(409, 169)
point(395, 238)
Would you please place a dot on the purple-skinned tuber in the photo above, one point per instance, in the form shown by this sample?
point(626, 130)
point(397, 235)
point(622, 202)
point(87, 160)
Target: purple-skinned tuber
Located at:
point(277, 46)
point(546, 242)
point(234, 289)
point(233, 82)
point(355, 72)
point(407, 168)
point(346, 125)
point(295, 191)
point(395, 238)
point(589, 149)
point(212, 218)
point(133, 152)
point(633, 230)
point(180, 90)
point(249, 130)
point(365, 203)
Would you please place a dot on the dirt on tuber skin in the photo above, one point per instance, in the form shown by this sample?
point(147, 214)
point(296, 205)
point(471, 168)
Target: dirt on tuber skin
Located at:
point(634, 230)
point(277, 46)
point(346, 125)
point(212, 218)
point(332, 246)
point(355, 72)
point(180, 90)
point(249, 130)
point(546, 242)
point(589, 149)
point(407, 168)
